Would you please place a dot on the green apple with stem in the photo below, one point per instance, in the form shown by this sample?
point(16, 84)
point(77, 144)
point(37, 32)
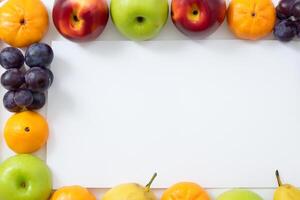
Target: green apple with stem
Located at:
point(25, 177)
point(139, 19)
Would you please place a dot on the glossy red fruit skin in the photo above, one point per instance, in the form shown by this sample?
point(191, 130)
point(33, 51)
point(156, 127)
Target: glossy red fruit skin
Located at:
point(80, 20)
point(210, 15)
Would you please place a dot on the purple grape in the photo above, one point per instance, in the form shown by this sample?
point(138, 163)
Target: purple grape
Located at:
point(295, 11)
point(38, 79)
point(51, 76)
point(39, 100)
point(9, 102)
point(39, 55)
point(23, 97)
point(285, 30)
point(283, 9)
point(297, 24)
point(281, 16)
point(12, 79)
point(11, 57)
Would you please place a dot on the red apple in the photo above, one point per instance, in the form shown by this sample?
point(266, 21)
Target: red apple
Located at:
point(198, 17)
point(80, 20)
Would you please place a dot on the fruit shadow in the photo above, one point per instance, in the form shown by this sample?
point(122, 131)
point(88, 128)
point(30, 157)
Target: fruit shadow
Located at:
point(295, 45)
point(109, 49)
point(171, 47)
point(64, 102)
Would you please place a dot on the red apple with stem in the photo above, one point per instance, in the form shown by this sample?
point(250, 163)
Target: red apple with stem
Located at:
point(80, 20)
point(198, 18)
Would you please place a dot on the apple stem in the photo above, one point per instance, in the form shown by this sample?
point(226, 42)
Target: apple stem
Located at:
point(278, 178)
point(150, 182)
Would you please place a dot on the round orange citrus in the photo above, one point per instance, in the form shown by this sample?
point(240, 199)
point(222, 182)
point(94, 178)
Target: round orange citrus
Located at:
point(26, 132)
point(185, 191)
point(251, 19)
point(23, 22)
point(72, 193)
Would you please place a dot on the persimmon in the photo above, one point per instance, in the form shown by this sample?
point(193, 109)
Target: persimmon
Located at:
point(251, 19)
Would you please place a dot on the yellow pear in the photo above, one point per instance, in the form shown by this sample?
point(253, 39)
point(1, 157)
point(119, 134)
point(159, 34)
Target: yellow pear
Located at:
point(285, 191)
point(131, 191)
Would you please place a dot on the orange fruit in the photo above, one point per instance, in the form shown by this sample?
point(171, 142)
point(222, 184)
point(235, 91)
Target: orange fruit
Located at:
point(26, 132)
point(185, 191)
point(251, 19)
point(23, 22)
point(72, 193)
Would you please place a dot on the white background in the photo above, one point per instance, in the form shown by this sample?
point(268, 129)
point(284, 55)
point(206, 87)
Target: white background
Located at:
point(159, 106)
point(168, 33)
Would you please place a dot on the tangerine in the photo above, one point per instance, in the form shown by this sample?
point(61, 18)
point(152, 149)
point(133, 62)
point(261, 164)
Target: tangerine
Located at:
point(72, 193)
point(26, 132)
point(251, 19)
point(23, 22)
point(185, 191)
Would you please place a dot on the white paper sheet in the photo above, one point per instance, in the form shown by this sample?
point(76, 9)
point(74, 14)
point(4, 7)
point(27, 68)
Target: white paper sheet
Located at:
point(221, 113)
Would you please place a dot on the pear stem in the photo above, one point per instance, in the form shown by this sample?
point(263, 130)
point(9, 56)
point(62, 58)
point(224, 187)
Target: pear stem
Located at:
point(278, 178)
point(150, 182)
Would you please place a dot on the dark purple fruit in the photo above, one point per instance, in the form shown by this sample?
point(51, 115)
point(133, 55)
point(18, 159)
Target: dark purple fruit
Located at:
point(295, 11)
point(38, 79)
point(11, 57)
point(39, 55)
point(297, 24)
point(283, 9)
point(9, 102)
point(285, 30)
point(23, 97)
point(12, 79)
point(39, 100)
point(51, 76)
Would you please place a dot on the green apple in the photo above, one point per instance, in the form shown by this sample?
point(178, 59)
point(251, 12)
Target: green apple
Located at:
point(239, 194)
point(139, 19)
point(25, 177)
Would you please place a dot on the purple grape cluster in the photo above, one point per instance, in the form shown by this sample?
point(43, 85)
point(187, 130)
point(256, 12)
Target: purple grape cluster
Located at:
point(288, 20)
point(26, 85)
